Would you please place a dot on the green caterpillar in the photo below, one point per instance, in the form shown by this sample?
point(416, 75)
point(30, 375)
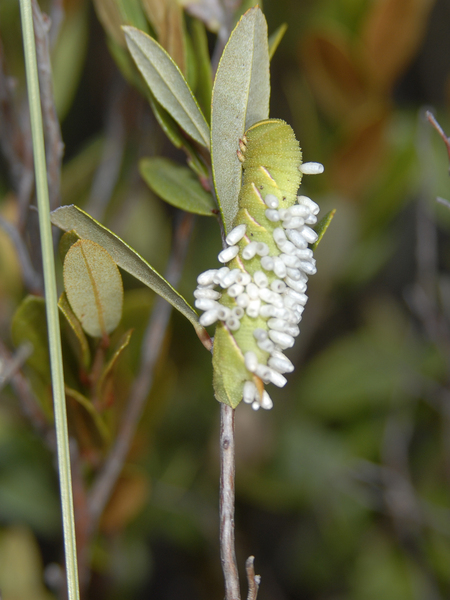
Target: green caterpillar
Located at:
point(267, 265)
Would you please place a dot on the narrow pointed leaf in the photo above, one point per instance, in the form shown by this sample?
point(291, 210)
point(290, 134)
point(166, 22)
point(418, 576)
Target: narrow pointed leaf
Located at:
point(322, 226)
point(93, 287)
point(83, 346)
point(167, 84)
point(71, 218)
point(177, 185)
point(88, 406)
point(105, 382)
point(275, 39)
point(240, 98)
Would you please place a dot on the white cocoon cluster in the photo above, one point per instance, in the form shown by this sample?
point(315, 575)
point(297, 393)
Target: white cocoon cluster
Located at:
point(275, 292)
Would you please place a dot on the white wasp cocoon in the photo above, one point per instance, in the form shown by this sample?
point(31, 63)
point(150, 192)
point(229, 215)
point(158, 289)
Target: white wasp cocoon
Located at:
point(236, 235)
point(228, 254)
point(311, 168)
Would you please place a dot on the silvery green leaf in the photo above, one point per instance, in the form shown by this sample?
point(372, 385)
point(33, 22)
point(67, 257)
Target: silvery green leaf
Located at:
point(167, 84)
point(240, 98)
point(72, 218)
point(93, 287)
point(177, 185)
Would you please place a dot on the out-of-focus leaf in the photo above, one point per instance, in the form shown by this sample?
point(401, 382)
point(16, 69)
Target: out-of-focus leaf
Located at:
point(84, 354)
point(203, 64)
point(322, 226)
point(29, 324)
point(93, 287)
point(21, 566)
point(391, 35)
point(381, 571)
point(105, 383)
point(88, 406)
point(240, 98)
point(358, 159)
point(331, 72)
point(364, 372)
point(275, 39)
point(78, 172)
point(177, 185)
point(71, 218)
point(68, 56)
point(128, 499)
point(167, 20)
point(110, 16)
point(167, 84)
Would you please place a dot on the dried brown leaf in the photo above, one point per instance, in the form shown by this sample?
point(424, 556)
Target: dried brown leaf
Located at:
point(167, 20)
point(332, 73)
point(390, 37)
point(359, 157)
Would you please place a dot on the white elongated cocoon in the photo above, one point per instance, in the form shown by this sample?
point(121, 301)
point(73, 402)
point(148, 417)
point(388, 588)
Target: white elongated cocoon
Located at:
point(311, 168)
point(236, 235)
point(228, 254)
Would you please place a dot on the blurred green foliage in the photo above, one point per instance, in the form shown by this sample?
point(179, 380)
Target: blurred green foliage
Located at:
point(343, 488)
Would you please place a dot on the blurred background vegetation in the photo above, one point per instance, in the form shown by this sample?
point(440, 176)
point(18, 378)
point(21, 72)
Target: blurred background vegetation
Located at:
point(343, 489)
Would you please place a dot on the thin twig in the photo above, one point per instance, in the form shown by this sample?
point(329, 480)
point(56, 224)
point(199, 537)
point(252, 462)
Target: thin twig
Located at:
point(15, 142)
point(108, 171)
point(33, 281)
point(154, 337)
point(53, 140)
point(252, 579)
point(22, 390)
point(432, 119)
point(226, 505)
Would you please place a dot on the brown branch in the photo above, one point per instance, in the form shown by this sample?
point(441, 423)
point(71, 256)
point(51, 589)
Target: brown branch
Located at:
point(108, 172)
point(252, 579)
point(154, 337)
point(28, 403)
point(432, 119)
point(226, 505)
point(54, 147)
point(15, 142)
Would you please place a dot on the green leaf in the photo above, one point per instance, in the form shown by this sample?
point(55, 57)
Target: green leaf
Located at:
point(240, 98)
point(29, 324)
point(83, 352)
point(167, 84)
point(94, 287)
point(177, 185)
point(71, 218)
point(275, 39)
point(230, 372)
point(204, 73)
point(89, 407)
point(322, 226)
point(65, 243)
point(168, 125)
point(108, 372)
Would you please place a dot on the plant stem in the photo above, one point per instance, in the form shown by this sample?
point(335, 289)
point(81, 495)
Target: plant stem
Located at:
point(226, 509)
point(62, 436)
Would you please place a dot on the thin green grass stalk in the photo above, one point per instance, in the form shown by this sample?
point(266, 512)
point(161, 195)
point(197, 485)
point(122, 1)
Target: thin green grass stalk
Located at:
point(51, 300)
